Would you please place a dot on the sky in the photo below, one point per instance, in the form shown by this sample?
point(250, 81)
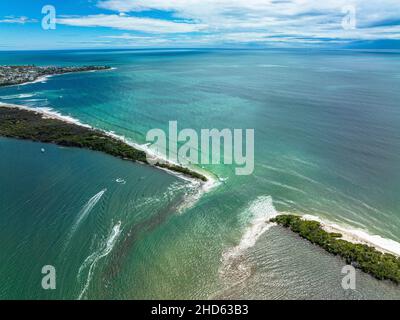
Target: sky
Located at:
point(199, 23)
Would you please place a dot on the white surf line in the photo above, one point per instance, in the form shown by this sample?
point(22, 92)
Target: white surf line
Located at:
point(94, 258)
point(234, 269)
point(41, 79)
point(50, 113)
point(354, 235)
point(18, 96)
point(47, 113)
point(206, 186)
point(260, 210)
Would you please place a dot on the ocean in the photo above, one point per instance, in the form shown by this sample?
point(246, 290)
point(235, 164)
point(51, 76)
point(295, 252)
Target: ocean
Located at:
point(327, 144)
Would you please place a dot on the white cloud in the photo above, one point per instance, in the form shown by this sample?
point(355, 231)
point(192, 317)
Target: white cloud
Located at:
point(124, 22)
point(17, 20)
point(306, 18)
point(214, 22)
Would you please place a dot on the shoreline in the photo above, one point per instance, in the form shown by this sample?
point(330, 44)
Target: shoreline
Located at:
point(210, 182)
point(358, 236)
point(353, 234)
point(41, 73)
point(369, 259)
point(206, 180)
point(44, 78)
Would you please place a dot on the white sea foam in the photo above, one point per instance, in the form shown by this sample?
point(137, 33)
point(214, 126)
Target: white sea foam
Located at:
point(120, 181)
point(47, 113)
point(191, 194)
point(211, 183)
point(34, 100)
point(196, 188)
point(258, 214)
point(92, 260)
point(18, 96)
point(42, 79)
point(359, 236)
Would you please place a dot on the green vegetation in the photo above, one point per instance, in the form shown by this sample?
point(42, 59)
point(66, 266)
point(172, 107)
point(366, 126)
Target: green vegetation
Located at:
point(182, 170)
point(368, 259)
point(29, 125)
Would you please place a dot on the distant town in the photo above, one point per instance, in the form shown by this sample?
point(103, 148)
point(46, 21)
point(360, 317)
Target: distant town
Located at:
point(14, 75)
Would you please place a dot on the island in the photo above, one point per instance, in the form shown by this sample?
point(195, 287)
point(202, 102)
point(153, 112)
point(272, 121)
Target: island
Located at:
point(17, 122)
point(366, 258)
point(16, 75)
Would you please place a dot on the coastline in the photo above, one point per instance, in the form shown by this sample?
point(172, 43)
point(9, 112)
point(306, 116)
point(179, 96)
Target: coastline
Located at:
point(44, 78)
point(205, 180)
point(208, 180)
point(353, 234)
point(381, 265)
point(263, 214)
point(349, 234)
point(46, 74)
point(358, 236)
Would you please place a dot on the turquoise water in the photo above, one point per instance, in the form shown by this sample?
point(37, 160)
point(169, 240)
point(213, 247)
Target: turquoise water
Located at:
point(327, 143)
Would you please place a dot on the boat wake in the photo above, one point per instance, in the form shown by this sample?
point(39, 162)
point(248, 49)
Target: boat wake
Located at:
point(83, 214)
point(120, 181)
point(92, 260)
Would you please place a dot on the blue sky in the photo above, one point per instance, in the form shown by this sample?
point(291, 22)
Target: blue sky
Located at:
point(200, 23)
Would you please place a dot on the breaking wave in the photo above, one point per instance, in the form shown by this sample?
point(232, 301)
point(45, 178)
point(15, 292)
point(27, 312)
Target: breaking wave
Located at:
point(258, 214)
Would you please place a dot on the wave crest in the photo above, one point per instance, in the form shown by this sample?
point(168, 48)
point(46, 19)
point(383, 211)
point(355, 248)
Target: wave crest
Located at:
point(259, 212)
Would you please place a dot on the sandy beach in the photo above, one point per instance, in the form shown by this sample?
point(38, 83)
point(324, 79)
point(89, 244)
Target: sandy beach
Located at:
point(359, 236)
